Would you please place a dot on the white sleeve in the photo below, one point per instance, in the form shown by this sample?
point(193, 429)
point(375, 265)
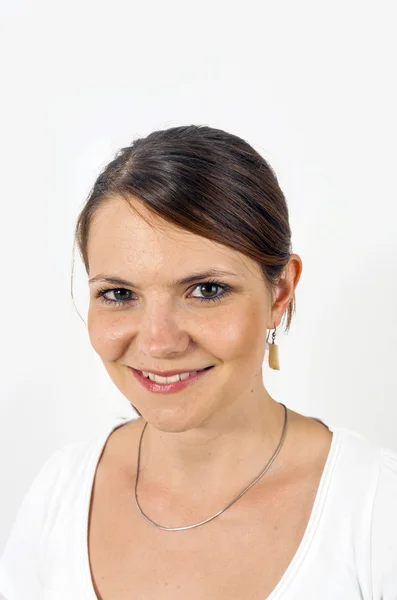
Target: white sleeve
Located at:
point(384, 530)
point(20, 567)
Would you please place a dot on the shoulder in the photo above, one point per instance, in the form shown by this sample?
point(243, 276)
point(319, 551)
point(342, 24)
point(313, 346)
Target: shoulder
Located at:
point(63, 472)
point(384, 528)
point(55, 491)
point(361, 468)
point(75, 461)
point(369, 476)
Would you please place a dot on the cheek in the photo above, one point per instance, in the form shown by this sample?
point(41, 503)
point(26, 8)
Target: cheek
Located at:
point(107, 334)
point(240, 335)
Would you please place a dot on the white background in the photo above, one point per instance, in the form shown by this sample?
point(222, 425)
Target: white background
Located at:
point(310, 84)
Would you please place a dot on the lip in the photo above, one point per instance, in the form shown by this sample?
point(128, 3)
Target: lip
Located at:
point(167, 388)
point(169, 373)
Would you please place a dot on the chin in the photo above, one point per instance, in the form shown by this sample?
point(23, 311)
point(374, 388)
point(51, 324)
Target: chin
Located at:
point(171, 420)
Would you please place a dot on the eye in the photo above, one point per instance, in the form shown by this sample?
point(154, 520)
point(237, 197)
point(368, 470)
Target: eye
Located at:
point(123, 296)
point(212, 284)
point(120, 294)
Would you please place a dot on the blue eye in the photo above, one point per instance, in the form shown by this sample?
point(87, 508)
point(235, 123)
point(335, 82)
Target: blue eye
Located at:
point(123, 295)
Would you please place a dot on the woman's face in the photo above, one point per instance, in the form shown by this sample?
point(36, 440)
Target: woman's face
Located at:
point(163, 326)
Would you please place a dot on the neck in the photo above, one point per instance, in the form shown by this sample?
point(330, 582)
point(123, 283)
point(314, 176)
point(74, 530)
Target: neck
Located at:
point(220, 456)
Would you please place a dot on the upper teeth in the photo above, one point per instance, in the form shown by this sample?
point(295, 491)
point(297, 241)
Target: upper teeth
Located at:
point(170, 379)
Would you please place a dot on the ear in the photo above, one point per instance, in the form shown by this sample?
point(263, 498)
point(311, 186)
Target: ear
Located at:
point(284, 290)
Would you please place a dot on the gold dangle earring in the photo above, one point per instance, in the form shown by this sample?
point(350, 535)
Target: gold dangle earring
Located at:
point(274, 362)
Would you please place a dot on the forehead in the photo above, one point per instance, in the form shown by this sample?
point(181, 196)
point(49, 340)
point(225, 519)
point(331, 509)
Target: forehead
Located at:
point(120, 237)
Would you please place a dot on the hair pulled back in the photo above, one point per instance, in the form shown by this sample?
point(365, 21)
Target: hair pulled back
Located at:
point(208, 182)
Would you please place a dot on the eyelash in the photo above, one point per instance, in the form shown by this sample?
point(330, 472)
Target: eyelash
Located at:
point(100, 293)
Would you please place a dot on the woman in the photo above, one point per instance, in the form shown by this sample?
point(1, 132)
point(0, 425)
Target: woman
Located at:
point(217, 490)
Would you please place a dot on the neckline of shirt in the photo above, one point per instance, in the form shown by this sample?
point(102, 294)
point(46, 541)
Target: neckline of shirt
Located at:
point(288, 575)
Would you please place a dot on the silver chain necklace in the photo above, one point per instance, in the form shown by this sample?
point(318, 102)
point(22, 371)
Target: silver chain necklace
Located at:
point(235, 500)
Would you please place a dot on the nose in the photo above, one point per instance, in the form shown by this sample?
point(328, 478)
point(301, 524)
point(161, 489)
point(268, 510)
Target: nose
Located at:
point(160, 333)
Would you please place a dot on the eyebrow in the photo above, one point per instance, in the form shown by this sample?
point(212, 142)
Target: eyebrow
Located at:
point(193, 278)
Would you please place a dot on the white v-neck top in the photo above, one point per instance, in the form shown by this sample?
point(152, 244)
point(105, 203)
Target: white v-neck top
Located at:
point(348, 551)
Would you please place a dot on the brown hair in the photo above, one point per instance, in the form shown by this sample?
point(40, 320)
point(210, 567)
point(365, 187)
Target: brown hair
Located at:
point(206, 181)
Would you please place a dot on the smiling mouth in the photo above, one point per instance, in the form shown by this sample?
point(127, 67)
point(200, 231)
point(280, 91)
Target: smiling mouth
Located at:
point(171, 378)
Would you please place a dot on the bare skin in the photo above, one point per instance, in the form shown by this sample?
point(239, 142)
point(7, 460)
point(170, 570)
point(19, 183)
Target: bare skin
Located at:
point(202, 446)
point(242, 553)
